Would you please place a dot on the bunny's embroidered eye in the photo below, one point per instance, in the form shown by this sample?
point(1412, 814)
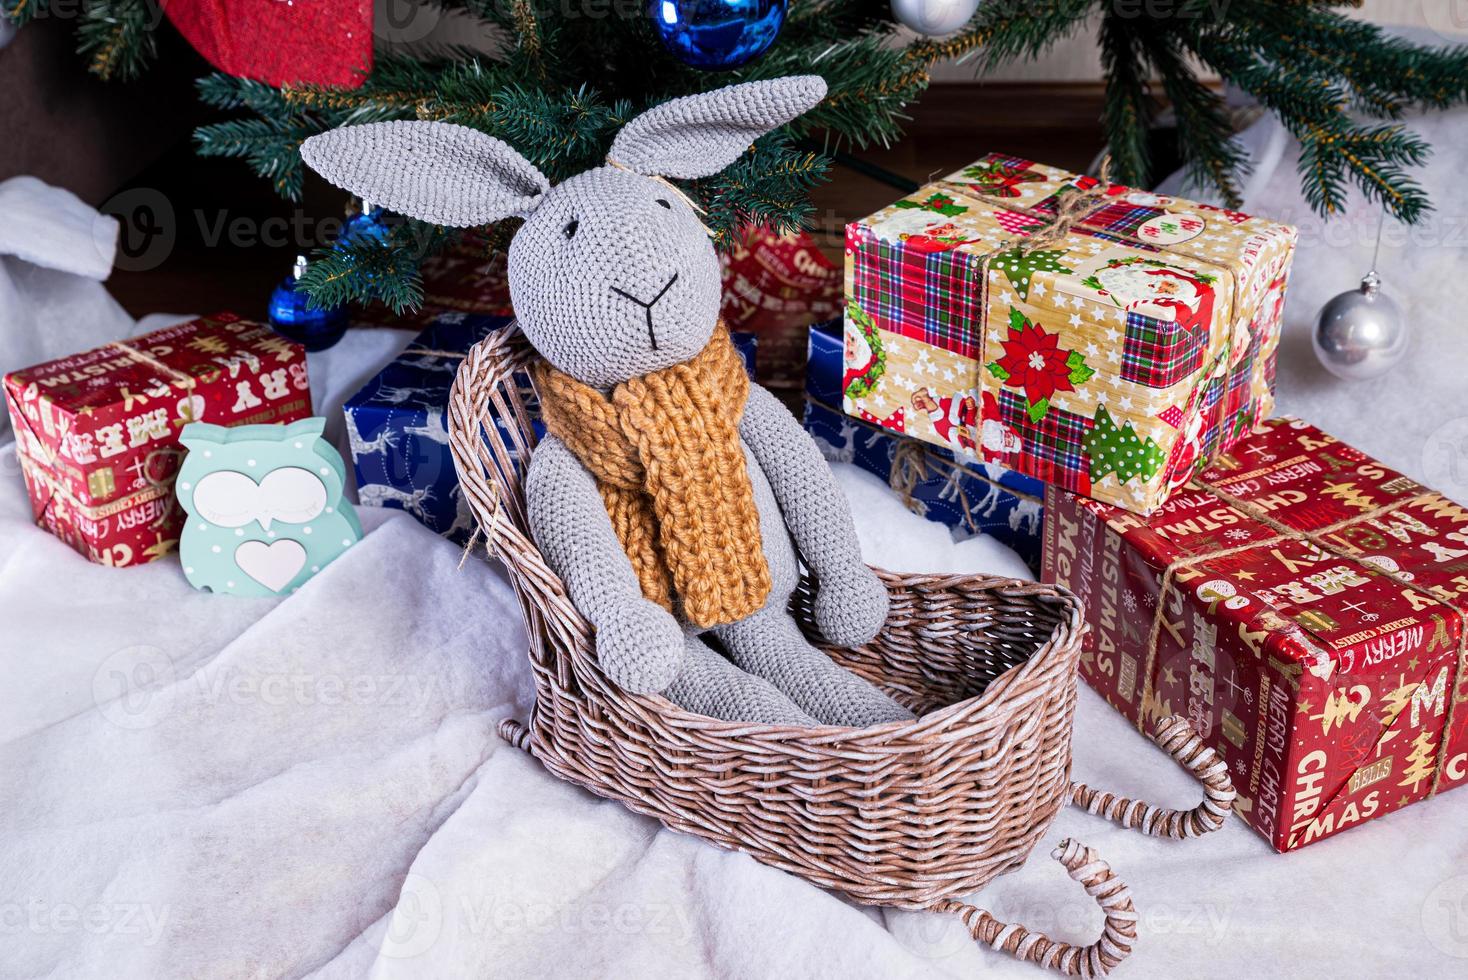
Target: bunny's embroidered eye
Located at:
point(665, 204)
point(570, 230)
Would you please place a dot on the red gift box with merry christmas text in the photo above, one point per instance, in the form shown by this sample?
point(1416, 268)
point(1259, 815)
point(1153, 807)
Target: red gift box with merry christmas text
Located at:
point(97, 432)
point(1304, 607)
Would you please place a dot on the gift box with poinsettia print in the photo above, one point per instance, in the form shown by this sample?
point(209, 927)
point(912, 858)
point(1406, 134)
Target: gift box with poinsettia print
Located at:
point(1304, 607)
point(953, 488)
point(97, 432)
point(1105, 340)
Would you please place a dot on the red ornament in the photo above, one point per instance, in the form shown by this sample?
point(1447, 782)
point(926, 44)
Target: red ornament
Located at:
point(282, 42)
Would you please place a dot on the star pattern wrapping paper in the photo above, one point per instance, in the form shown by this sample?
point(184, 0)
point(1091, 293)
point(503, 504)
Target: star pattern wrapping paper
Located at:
point(1113, 361)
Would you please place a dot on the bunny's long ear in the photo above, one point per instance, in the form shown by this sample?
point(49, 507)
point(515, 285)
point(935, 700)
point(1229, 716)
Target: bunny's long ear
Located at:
point(699, 135)
point(439, 172)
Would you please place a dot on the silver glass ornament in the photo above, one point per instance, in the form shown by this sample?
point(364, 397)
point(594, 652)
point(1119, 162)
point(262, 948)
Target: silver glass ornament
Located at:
point(933, 18)
point(1361, 333)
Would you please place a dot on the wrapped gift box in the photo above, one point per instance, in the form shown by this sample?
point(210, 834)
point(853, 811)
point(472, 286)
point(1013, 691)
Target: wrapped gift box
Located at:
point(397, 425)
point(1303, 606)
point(775, 287)
point(1104, 340)
point(97, 432)
point(954, 488)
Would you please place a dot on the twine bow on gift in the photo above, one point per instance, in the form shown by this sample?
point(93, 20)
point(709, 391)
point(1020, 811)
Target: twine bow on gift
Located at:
point(143, 357)
point(1069, 209)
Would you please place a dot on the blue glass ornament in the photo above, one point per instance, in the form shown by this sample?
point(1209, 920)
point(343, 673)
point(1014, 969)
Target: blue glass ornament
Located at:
point(367, 223)
point(716, 35)
point(292, 317)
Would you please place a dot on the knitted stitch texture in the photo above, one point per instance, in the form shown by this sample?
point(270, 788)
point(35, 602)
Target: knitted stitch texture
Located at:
point(665, 451)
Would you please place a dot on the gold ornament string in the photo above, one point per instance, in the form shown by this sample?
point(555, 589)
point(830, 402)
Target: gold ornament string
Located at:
point(682, 195)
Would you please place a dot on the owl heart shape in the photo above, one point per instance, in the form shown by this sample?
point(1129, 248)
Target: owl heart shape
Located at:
point(273, 565)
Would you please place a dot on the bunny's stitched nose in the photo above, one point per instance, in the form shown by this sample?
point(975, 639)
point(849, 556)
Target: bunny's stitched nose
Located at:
point(647, 306)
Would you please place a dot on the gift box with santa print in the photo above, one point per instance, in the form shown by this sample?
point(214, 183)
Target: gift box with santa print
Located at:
point(1105, 340)
point(1304, 607)
point(97, 432)
point(951, 487)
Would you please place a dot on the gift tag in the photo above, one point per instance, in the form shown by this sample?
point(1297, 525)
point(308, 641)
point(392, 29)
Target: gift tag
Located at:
point(264, 504)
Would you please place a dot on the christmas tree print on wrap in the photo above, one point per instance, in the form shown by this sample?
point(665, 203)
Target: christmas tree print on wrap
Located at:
point(1020, 266)
point(1034, 363)
point(264, 506)
point(1120, 450)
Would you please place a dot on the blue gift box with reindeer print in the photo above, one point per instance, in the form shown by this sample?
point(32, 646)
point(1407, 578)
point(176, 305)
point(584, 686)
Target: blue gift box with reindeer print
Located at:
point(397, 424)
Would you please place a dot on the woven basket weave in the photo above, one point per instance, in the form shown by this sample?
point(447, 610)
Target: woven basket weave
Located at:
point(909, 815)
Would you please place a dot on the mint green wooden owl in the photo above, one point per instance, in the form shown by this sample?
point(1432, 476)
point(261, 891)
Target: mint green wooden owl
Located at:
point(264, 504)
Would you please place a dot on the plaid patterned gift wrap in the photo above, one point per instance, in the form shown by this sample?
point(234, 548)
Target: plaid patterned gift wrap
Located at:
point(1113, 341)
point(969, 496)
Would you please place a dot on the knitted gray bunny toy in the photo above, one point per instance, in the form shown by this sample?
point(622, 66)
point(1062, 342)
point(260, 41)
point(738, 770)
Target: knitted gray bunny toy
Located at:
point(615, 283)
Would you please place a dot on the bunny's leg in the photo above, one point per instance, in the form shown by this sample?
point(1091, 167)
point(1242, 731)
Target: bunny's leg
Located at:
point(710, 685)
point(770, 645)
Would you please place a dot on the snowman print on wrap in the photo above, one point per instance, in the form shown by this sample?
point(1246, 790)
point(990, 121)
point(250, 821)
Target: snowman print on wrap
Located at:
point(264, 504)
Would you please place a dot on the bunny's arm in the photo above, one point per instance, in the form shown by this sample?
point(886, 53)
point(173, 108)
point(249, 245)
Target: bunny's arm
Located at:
point(851, 602)
point(638, 643)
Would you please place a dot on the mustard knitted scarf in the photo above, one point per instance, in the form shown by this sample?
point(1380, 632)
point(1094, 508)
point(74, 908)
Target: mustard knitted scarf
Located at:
point(665, 451)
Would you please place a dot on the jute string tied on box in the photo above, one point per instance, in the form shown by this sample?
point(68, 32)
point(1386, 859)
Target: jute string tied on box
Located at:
point(156, 487)
point(1315, 539)
point(1072, 210)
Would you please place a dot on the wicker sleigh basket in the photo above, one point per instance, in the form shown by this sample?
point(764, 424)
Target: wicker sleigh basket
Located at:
point(908, 815)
